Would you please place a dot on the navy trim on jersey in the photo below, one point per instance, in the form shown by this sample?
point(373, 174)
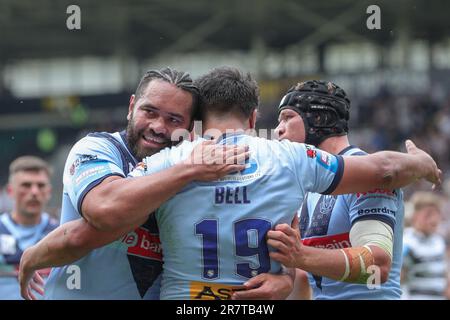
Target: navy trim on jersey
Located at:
point(123, 135)
point(337, 177)
point(340, 170)
point(124, 152)
point(359, 153)
point(343, 151)
point(125, 155)
point(91, 186)
point(389, 221)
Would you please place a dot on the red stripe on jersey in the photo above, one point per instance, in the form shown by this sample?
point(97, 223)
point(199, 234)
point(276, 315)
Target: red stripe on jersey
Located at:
point(337, 241)
point(144, 244)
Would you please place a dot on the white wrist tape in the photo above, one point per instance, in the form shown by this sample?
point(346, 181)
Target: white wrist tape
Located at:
point(374, 233)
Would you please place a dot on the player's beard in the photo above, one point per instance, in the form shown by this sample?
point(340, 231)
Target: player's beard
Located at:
point(133, 137)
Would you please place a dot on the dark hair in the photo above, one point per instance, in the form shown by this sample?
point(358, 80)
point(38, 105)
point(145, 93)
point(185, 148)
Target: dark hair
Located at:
point(179, 78)
point(29, 163)
point(225, 89)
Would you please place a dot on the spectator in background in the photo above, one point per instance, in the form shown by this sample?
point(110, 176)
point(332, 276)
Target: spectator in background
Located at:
point(444, 227)
point(424, 273)
point(29, 188)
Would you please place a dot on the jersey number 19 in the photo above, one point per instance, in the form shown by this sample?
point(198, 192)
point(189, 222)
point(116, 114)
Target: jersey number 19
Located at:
point(208, 230)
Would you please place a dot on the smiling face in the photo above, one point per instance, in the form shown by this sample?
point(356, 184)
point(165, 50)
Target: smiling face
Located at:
point(290, 126)
point(152, 117)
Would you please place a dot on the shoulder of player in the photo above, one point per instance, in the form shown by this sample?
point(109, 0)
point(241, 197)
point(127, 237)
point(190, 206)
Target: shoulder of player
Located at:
point(93, 143)
point(285, 148)
point(90, 149)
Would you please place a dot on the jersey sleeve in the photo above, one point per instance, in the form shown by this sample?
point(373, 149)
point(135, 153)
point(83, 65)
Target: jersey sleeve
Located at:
point(90, 161)
point(315, 170)
point(378, 204)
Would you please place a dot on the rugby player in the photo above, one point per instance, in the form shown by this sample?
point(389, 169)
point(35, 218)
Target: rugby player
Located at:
point(30, 188)
point(95, 188)
point(425, 273)
point(363, 229)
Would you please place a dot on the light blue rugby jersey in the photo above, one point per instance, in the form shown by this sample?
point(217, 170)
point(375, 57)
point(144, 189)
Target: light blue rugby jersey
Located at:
point(14, 239)
point(128, 268)
point(325, 222)
point(214, 233)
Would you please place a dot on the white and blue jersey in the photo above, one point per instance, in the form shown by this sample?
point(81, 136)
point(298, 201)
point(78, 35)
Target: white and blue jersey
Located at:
point(128, 268)
point(213, 234)
point(325, 222)
point(14, 239)
point(424, 265)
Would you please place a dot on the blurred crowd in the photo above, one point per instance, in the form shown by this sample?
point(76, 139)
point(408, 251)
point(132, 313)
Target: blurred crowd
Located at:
point(394, 118)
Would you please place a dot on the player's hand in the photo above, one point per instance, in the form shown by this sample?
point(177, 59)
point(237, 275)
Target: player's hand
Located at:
point(212, 161)
point(431, 171)
point(35, 282)
point(266, 286)
point(29, 279)
point(286, 239)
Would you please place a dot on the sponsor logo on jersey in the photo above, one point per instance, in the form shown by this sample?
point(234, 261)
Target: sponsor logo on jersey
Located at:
point(386, 192)
point(90, 172)
point(310, 153)
point(375, 211)
point(81, 159)
point(249, 173)
point(144, 244)
point(212, 291)
point(327, 204)
point(337, 241)
point(325, 159)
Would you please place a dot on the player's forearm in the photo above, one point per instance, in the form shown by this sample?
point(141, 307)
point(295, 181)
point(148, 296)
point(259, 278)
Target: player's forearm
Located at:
point(401, 169)
point(331, 263)
point(122, 202)
point(382, 170)
point(56, 249)
point(322, 262)
point(67, 244)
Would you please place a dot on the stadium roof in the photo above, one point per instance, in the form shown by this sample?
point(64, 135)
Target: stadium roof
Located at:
point(37, 28)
